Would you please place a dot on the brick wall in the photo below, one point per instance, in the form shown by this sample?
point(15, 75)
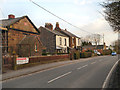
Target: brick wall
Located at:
point(48, 40)
point(48, 58)
point(14, 37)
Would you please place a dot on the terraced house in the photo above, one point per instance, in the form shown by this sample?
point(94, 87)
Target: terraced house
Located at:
point(74, 41)
point(20, 35)
point(53, 40)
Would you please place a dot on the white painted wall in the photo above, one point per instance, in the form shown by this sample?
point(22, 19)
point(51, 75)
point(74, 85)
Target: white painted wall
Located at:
point(63, 41)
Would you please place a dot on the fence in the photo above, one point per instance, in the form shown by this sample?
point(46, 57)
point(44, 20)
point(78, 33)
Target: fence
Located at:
point(7, 62)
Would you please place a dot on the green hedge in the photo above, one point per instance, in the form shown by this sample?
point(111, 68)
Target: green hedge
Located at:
point(61, 53)
point(78, 55)
point(85, 54)
point(107, 52)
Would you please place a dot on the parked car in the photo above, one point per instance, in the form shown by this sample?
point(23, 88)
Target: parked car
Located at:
point(98, 53)
point(114, 54)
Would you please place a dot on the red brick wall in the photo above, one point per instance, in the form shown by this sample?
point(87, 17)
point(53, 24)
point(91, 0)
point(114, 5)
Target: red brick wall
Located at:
point(47, 58)
point(14, 37)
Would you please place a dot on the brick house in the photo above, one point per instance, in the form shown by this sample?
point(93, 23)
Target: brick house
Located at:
point(14, 30)
point(53, 40)
point(94, 47)
point(74, 41)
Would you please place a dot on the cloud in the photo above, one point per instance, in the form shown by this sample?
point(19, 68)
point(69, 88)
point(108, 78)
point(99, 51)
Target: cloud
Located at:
point(101, 26)
point(84, 2)
point(78, 2)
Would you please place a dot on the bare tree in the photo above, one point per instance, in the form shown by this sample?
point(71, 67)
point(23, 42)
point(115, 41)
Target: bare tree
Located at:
point(94, 38)
point(112, 13)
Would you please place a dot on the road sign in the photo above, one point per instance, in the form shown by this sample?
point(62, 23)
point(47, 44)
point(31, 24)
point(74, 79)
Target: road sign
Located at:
point(22, 60)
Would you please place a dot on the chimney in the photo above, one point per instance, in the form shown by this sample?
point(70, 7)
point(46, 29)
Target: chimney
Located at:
point(11, 16)
point(57, 26)
point(49, 26)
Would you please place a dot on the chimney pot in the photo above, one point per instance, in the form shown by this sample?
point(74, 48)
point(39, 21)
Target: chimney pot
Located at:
point(49, 26)
point(11, 16)
point(57, 24)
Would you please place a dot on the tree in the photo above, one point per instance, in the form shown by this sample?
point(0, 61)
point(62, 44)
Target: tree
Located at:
point(116, 45)
point(86, 43)
point(94, 38)
point(112, 14)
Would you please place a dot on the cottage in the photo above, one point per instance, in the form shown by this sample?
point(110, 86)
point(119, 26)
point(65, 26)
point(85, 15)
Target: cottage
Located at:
point(16, 30)
point(53, 40)
point(94, 47)
point(74, 41)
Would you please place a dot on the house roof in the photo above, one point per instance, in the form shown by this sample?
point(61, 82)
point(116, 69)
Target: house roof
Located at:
point(100, 47)
point(53, 31)
point(8, 22)
point(67, 33)
point(89, 46)
point(94, 46)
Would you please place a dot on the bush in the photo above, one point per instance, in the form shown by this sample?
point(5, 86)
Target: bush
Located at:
point(85, 54)
point(77, 55)
point(44, 54)
point(107, 52)
point(90, 51)
point(61, 53)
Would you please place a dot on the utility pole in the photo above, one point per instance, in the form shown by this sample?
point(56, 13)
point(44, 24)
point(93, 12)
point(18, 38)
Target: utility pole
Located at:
point(103, 38)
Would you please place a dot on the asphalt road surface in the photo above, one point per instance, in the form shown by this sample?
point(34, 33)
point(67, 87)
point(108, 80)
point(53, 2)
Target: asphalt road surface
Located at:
point(87, 74)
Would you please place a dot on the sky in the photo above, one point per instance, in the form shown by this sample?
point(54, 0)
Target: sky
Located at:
point(84, 14)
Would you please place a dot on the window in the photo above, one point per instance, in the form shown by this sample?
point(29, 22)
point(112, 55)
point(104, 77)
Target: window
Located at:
point(36, 48)
point(65, 42)
point(72, 40)
point(60, 41)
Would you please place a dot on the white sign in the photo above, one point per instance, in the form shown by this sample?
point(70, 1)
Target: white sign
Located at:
point(22, 60)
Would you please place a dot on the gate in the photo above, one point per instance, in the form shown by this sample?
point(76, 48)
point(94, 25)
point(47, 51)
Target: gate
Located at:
point(7, 62)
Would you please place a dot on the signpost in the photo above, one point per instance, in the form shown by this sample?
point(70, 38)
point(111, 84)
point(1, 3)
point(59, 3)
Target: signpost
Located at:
point(22, 60)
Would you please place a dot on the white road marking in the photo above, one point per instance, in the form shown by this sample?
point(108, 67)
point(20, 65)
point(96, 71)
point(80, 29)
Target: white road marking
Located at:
point(106, 82)
point(93, 62)
point(59, 77)
point(83, 66)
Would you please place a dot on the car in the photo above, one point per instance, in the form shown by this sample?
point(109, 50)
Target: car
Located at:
point(98, 53)
point(114, 54)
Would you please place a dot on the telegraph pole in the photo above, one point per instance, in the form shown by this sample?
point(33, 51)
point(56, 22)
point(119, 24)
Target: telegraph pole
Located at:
point(103, 38)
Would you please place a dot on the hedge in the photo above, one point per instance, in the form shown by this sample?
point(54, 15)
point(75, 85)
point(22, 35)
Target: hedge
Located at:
point(85, 54)
point(78, 55)
point(106, 52)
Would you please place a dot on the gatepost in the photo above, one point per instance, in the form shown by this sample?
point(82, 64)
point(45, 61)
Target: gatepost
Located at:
point(14, 61)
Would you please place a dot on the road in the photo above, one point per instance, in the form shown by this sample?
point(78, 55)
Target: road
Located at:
point(87, 74)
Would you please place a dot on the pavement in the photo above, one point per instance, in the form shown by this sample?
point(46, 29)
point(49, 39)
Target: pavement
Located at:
point(29, 70)
point(83, 73)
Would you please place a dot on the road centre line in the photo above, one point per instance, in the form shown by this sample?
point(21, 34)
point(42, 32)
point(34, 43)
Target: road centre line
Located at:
point(93, 62)
point(59, 77)
point(83, 66)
